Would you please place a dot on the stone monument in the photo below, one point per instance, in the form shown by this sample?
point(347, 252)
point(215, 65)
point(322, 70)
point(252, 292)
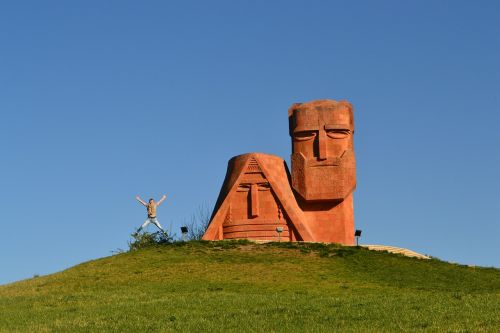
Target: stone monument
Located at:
point(259, 197)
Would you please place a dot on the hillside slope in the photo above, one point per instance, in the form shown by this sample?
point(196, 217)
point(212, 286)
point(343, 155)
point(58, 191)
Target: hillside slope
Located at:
point(240, 286)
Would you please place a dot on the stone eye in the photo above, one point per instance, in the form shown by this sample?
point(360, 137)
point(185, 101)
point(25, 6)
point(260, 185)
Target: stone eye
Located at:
point(304, 135)
point(243, 188)
point(338, 133)
point(264, 186)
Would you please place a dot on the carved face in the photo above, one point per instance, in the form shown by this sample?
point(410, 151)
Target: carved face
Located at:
point(323, 164)
point(253, 199)
point(254, 211)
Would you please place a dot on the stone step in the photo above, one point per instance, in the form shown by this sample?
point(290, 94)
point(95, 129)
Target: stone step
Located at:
point(397, 250)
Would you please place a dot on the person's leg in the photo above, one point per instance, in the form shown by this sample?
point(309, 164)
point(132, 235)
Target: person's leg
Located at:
point(144, 225)
point(157, 223)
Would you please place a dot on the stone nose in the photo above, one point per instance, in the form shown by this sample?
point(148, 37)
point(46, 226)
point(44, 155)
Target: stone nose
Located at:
point(321, 141)
point(254, 200)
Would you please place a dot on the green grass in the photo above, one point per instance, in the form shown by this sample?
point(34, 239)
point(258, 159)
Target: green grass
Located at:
point(245, 287)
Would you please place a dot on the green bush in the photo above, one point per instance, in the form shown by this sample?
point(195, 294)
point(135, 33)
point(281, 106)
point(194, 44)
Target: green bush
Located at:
point(146, 239)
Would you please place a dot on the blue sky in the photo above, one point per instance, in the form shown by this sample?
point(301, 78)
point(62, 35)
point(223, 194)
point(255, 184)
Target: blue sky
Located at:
point(103, 100)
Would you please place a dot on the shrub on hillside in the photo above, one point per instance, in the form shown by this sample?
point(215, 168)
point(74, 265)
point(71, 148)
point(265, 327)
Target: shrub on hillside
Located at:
point(146, 239)
point(198, 223)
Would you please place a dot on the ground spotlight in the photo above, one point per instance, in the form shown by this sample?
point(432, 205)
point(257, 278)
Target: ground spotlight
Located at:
point(184, 231)
point(357, 234)
point(279, 230)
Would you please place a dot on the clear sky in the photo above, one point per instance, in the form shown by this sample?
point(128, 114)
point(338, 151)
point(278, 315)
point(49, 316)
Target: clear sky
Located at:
point(104, 100)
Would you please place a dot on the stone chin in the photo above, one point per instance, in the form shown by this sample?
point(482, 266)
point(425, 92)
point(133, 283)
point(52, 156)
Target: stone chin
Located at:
point(332, 180)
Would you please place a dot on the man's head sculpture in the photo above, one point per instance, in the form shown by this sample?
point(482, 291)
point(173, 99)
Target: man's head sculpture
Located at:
point(323, 164)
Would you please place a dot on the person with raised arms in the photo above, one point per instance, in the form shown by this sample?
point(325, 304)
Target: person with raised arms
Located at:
point(151, 208)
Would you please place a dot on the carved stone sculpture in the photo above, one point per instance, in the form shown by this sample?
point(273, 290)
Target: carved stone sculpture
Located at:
point(255, 199)
point(258, 196)
point(324, 168)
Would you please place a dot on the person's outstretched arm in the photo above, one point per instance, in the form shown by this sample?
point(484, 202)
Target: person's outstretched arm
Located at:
point(140, 200)
point(161, 200)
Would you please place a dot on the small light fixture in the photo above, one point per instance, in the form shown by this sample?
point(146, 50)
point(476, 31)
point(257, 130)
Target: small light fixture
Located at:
point(184, 231)
point(279, 230)
point(357, 234)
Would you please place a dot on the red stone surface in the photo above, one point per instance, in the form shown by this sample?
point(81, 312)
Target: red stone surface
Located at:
point(257, 195)
point(255, 199)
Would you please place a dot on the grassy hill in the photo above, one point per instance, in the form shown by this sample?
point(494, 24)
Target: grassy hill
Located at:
point(241, 286)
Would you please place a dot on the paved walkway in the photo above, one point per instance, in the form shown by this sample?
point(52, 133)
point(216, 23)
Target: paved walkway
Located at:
point(399, 250)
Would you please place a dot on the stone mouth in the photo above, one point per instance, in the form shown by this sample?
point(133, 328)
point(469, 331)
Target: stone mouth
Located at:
point(330, 162)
